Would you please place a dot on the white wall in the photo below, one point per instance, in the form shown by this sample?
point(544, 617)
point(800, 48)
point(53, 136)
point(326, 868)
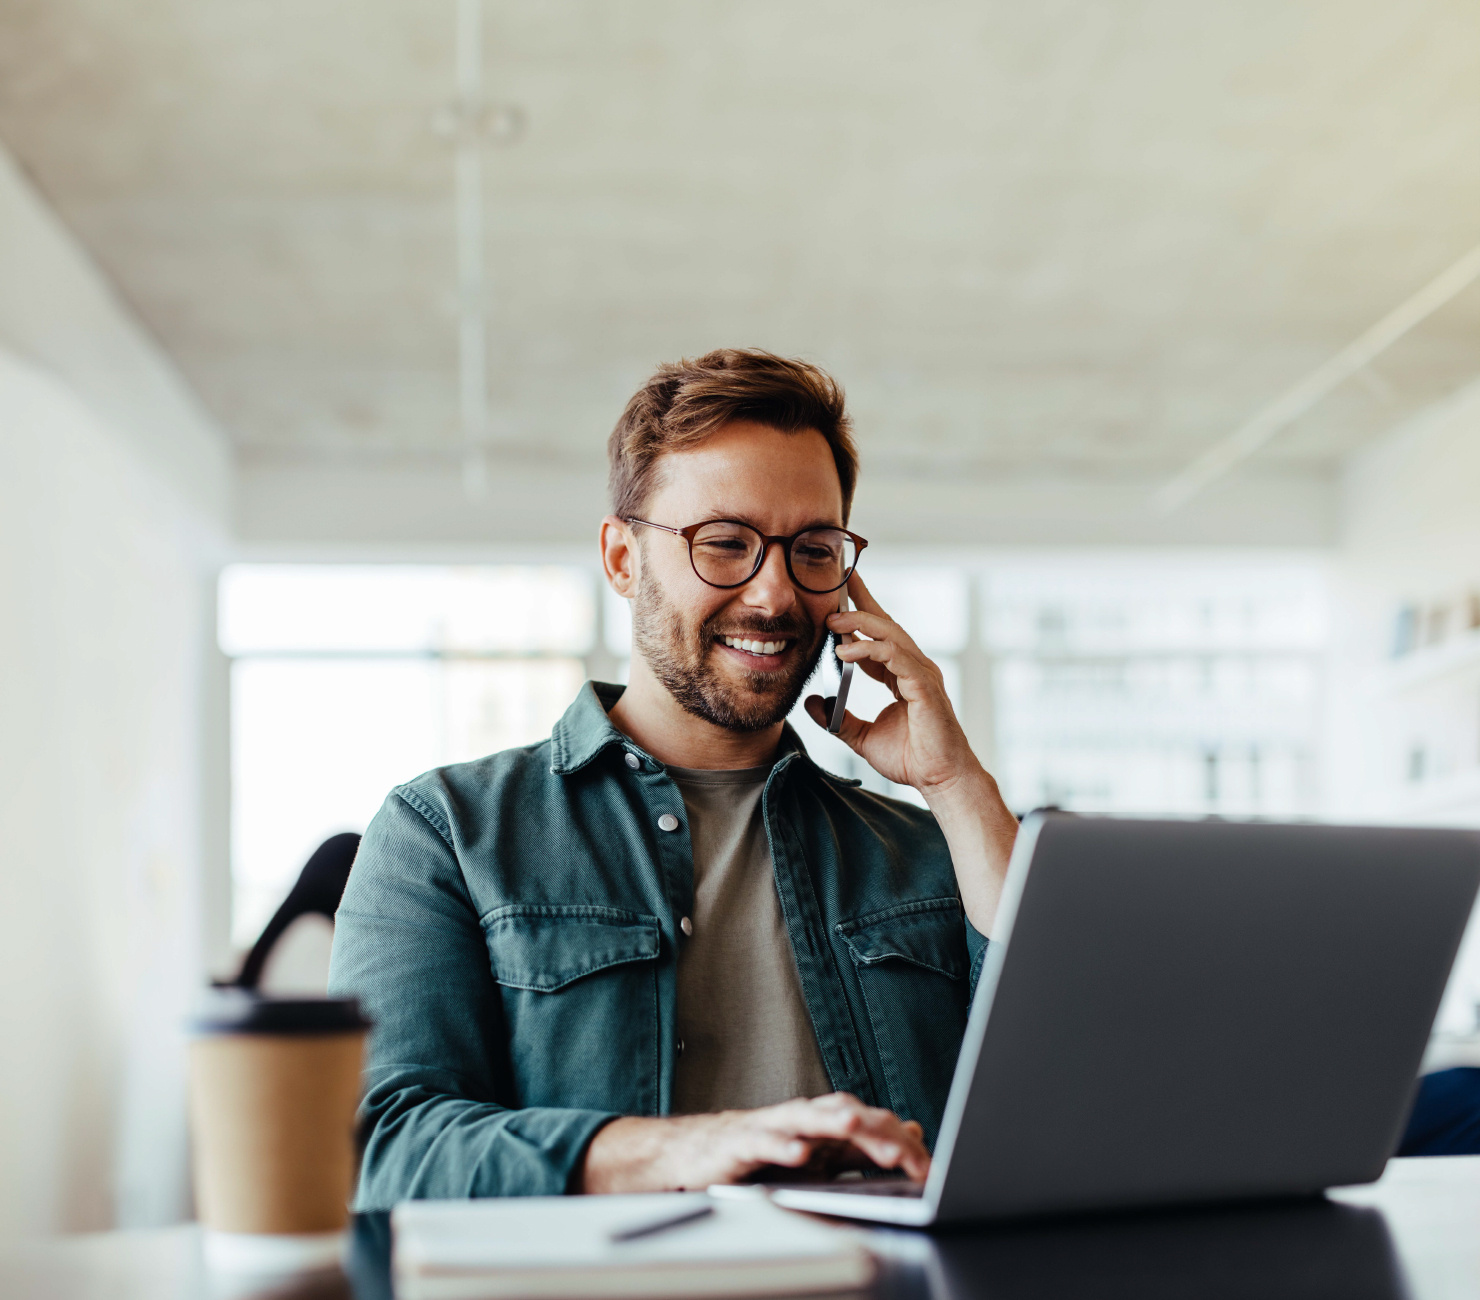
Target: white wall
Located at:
point(59, 312)
point(1410, 533)
point(114, 492)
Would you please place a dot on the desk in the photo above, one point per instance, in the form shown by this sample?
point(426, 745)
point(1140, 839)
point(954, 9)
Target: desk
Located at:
point(1413, 1236)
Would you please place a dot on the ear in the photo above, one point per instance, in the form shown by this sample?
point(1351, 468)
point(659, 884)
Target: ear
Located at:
point(619, 557)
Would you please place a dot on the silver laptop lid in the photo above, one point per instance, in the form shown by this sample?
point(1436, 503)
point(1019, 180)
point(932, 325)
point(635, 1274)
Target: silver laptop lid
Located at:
point(1181, 1010)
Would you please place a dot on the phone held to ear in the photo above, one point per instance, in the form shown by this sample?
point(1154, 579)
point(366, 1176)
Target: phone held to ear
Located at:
point(835, 722)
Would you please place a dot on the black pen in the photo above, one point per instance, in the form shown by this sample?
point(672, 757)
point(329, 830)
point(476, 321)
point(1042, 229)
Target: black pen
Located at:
point(661, 1224)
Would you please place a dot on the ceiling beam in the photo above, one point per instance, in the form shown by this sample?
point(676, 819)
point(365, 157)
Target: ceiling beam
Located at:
point(1281, 413)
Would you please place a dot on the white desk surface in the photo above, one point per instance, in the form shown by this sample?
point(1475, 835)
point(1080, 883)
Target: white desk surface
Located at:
point(1422, 1244)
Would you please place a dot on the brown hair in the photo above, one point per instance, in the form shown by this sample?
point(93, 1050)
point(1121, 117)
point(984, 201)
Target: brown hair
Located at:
point(686, 402)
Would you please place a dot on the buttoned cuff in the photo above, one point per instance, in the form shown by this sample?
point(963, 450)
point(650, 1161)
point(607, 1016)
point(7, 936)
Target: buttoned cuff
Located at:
point(976, 949)
point(539, 1151)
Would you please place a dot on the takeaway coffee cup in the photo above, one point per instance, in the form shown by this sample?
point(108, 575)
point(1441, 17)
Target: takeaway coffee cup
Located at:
point(274, 1083)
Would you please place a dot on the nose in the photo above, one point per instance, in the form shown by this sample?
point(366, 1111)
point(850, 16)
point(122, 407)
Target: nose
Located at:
point(770, 592)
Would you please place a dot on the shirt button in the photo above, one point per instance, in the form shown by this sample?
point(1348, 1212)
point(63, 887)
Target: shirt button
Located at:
point(686, 925)
point(667, 822)
point(633, 761)
point(678, 1047)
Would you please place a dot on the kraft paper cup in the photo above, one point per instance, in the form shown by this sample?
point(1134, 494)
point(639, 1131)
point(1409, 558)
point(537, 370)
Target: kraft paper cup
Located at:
point(274, 1083)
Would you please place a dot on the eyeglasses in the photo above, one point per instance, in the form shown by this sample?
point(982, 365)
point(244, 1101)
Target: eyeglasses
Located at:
point(726, 553)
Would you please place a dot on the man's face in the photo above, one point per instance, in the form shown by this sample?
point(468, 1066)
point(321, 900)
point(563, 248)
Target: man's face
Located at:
point(689, 632)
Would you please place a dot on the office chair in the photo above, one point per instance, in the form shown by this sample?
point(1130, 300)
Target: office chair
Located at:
point(318, 890)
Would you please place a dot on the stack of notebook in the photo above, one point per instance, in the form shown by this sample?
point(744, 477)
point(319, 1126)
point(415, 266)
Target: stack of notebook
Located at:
point(578, 1246)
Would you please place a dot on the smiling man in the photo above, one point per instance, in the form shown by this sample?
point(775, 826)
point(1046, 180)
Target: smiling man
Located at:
point(663, 948)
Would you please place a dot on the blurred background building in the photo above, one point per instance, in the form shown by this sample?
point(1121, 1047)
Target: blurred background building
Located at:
point(1160, 323)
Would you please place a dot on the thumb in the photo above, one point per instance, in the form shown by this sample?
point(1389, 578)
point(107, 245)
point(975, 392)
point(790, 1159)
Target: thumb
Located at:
point(853, 729)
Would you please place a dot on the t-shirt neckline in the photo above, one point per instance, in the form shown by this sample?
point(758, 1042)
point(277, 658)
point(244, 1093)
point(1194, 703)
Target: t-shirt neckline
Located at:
point(720, 776)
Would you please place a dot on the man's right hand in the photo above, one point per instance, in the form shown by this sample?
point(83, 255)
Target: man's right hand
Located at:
point(692, 1151)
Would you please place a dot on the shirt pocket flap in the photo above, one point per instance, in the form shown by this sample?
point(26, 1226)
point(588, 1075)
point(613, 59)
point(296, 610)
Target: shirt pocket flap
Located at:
point(928, 933)
point(544, 948)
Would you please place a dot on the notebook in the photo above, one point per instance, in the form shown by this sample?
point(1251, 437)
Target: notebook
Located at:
point(547, 1246)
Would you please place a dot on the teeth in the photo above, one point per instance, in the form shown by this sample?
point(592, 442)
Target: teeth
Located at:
point(755, 647)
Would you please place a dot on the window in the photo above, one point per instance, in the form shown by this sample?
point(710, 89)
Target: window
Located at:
point(347, 680)
point(1166, 685)
point(1174, 683)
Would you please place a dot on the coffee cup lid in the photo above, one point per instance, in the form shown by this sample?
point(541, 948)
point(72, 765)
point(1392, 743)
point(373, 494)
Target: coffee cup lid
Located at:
point(242, 1011)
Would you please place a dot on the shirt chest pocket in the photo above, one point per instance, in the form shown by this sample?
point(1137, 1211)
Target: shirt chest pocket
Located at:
point(579, 986)
point(912, 968)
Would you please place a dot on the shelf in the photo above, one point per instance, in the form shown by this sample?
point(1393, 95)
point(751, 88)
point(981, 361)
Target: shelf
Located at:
point(1422, 667)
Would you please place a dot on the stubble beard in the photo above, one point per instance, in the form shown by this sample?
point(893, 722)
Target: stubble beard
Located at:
point(683, 659)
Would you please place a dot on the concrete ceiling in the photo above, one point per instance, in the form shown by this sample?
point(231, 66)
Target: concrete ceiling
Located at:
point(1068, 235)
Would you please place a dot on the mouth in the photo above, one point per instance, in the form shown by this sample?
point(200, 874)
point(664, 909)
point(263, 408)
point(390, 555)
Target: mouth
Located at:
point(757, 652)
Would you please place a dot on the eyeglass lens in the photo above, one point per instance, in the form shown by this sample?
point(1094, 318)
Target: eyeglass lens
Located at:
point(728, 554)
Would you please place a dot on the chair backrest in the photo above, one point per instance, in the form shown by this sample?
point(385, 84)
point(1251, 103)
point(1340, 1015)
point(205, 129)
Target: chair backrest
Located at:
point(319, 888)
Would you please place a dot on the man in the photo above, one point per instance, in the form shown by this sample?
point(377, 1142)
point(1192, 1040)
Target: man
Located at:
point(663, 949)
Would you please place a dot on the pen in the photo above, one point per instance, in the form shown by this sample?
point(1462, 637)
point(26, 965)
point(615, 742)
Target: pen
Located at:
point(661, 1224)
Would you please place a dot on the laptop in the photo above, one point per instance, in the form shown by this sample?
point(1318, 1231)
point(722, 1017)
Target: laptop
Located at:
point(1188, 1011)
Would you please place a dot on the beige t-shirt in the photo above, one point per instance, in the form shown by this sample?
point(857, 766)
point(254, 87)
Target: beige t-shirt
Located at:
point(747, 1038)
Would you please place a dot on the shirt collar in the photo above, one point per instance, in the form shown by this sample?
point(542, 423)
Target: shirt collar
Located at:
point(584, 730)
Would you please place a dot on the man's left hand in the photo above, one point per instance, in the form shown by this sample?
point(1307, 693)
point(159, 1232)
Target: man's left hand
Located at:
point(918, 741)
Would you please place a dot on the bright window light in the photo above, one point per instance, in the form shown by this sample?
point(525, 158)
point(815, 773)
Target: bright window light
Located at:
point(286, 608)
point(348, 680)
point(932, 604)
point(1178, 685)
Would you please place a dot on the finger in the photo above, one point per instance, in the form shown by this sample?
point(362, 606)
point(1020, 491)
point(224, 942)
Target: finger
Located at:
point(908, 1156)
point(871, 1119)
point(853, 729)
point(862, 597)
point(914, 680)
point(879, 673)
point(839, 1114)
point(744, 1158)
point(892, 1142)
point(876, 628)
point(836, 1115)
point(868, 617)
point(769, 1148)
point(818, 709)
point(875, 670)
point(860, 620)
point(882, 1136)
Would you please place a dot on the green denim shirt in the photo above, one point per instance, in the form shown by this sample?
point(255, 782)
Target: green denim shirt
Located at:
point(512, 927)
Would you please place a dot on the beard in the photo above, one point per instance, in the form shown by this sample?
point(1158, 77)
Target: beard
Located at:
point(682, 657)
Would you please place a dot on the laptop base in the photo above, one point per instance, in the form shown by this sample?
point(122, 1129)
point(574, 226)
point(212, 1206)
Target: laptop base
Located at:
point(881, 1201)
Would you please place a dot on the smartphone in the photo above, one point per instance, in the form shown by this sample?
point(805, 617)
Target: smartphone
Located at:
point(835, 722)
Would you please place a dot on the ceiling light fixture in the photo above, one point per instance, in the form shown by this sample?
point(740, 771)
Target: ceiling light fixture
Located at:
point(471, 122)
point(1244, 441)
